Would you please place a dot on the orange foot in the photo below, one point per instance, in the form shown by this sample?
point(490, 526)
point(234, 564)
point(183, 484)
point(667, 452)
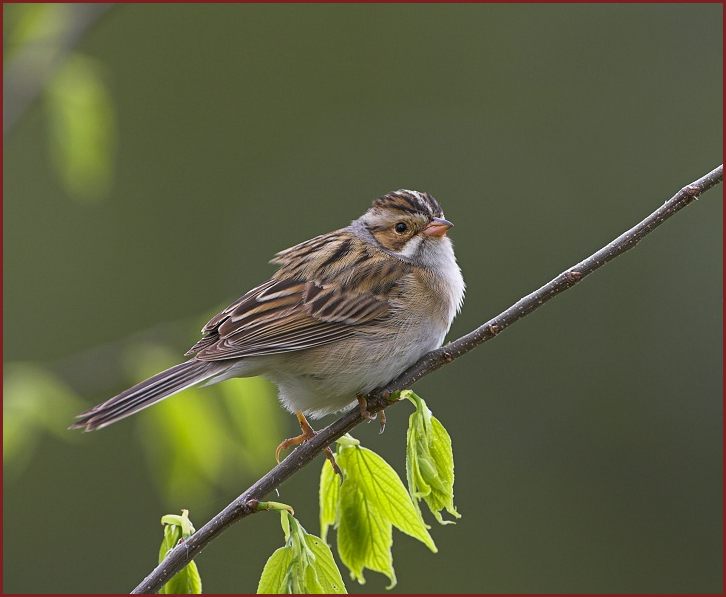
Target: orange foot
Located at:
point(307, 433)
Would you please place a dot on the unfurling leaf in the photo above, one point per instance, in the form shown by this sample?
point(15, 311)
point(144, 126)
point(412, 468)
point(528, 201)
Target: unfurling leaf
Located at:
point(329, 494)
point(304, 565)
point(187, 581)
point(365, 508)
point(429, 461)
point(274, 506)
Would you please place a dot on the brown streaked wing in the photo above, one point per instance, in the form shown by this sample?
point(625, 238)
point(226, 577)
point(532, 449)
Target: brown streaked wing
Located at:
point(250, 297)
point(286, 315)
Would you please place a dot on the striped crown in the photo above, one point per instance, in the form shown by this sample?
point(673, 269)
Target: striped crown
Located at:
point(410, 202)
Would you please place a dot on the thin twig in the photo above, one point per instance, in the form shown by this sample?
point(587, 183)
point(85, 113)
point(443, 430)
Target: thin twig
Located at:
point(378, 400)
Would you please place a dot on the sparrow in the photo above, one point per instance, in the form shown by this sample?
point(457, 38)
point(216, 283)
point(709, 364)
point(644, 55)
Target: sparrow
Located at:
point(345, 313)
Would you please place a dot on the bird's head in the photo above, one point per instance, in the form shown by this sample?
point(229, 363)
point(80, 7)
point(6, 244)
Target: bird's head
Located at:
point(407, 224)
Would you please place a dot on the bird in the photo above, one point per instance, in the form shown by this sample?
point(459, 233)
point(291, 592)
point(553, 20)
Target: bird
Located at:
point(345, 313)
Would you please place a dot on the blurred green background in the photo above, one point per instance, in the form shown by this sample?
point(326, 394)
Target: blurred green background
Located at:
point(171, 150)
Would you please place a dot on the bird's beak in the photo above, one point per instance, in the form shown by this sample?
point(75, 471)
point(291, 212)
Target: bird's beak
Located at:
point(437, 227)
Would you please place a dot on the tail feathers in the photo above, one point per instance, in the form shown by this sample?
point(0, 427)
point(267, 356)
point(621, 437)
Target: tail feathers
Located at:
point(146, 393)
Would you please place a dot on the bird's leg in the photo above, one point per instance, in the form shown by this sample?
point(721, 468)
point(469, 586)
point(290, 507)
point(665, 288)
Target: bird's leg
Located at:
point(307, 433)
point(366, 414)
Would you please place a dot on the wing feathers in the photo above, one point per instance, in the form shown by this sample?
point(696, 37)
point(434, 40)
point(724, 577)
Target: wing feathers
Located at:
point(324, 291)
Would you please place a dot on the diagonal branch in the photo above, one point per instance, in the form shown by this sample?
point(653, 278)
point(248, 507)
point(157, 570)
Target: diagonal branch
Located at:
point(246, 503)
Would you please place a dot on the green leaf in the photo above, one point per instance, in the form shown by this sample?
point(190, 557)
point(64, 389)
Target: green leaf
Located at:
point(325, 569)
point(304, 565)
point(82, 128)
point(429, 461)
point(382, 487)
point(329, 494)
point(365, 536)
point(274, 579)
point(172, 534)
point(347, 440)
point(369, 503)
point(187, 581)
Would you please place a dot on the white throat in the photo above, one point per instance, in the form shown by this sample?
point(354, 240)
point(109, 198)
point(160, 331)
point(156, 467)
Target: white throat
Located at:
point(438, 257)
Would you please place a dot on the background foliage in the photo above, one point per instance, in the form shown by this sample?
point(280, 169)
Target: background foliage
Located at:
point(206, 138)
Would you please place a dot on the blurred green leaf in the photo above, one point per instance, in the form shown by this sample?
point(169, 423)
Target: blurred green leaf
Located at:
point(304, 565)
point(82, 128)
point(187, 581)
point(429, 460)
point(194, 433)
point(186, 436)
point(34, 402)
point(371, 501)
point(195, 436)
point(38, 24)
point(255, 416)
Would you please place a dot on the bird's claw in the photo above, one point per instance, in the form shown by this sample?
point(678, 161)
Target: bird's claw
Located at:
point(308, 433)
point(369, 416)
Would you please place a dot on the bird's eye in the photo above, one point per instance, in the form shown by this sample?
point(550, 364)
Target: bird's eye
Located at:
point(401, 227)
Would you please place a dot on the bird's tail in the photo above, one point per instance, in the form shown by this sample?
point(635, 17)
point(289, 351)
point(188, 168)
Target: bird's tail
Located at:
point(144, 394)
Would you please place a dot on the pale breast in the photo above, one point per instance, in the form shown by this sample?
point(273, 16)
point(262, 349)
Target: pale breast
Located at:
point(425, 300)
point(326, 379)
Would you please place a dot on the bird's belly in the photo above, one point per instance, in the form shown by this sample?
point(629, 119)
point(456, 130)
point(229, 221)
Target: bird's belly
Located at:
point(326, 380)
